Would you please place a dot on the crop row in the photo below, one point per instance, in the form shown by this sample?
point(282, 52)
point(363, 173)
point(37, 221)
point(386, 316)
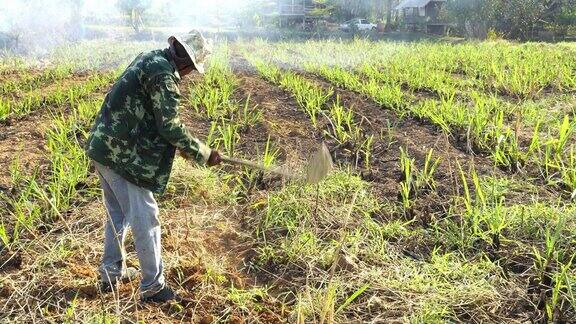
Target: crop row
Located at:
point(29, 82)
point(47, 197)
point(94, 57)
point(522, 71)
point(98, 55)
point(481, 120)
point(59, 95)
point(341, 123)
point(213, 97)
point(480, 224)
point(10, 64)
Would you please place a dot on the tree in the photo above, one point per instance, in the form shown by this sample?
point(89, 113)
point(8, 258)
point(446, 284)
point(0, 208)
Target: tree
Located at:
point(76, 24)
point(566, 20)
point(135, 10)
point(252, 12)
point(348, 9)
point(322, 8)
point(391, 14)
point(518, 19)
point(472, 17)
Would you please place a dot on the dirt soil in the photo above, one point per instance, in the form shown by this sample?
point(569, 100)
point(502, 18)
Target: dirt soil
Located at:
point(392, 132)
point(417, 137)
point(194, 233)
point(22, 139)
point(23, 142)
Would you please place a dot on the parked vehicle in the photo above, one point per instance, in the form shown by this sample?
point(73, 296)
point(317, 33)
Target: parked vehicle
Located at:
point(361, 24)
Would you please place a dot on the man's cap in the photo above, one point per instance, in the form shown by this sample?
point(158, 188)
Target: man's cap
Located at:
point(196, 46)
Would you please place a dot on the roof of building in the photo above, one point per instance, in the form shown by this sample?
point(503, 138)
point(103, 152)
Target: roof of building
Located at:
point(415, 3)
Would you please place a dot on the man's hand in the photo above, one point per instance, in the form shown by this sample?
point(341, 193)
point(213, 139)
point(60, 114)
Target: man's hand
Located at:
point(214, 158)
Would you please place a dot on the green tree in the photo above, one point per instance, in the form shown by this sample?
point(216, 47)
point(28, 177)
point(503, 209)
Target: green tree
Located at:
point(134, 9)
point(252, 13)
point(389, 15)
point(518, 19)
point(472, 17)
point(76, 24)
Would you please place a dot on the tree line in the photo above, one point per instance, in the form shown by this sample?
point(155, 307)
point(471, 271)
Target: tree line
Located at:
point(513, 19)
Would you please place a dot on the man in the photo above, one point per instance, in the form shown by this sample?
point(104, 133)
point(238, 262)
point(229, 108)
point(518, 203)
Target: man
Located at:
point(132, 146)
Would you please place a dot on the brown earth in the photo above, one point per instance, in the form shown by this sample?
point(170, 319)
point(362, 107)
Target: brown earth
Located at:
point(197, 237)
point(23, 143)
point(22, 140)
point(392, 132)
point(418, 136)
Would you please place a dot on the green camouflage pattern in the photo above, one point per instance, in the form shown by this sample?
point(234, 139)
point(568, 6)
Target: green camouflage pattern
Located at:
point(138, 128)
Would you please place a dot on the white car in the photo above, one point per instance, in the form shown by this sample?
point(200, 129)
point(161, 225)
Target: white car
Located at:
point(362, 24)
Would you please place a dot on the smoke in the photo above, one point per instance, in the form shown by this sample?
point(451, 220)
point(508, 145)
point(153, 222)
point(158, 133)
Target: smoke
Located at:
point(35, 26)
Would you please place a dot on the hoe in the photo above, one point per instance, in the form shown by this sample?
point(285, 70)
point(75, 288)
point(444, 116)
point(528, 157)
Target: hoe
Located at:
point(317, 169)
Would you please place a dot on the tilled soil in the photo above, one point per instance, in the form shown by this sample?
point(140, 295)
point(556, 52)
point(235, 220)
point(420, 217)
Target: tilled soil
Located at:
point(23, 143)
point(22, 140)
point(223, 234)
point(390, 133)
point(417, 137)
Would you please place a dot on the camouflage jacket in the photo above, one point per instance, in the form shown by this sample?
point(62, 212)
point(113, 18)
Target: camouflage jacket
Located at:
point(138, 130)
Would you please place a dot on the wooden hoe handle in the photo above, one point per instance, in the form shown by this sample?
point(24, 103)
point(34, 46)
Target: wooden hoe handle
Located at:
point(257, 166)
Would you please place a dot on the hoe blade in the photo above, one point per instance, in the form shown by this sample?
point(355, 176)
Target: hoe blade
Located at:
point(319, 166)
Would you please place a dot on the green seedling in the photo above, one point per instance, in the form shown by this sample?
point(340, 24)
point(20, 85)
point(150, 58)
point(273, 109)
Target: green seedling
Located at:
point(406, 186)
point(229, 137)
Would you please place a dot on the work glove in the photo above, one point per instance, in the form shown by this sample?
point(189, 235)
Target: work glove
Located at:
point(214, 158)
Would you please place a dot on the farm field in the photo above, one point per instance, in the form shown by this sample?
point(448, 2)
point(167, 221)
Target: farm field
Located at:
point(452, 196)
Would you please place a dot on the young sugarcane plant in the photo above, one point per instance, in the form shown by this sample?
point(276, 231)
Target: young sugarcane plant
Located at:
point(565, 129)
point(249, 116)
point(211, 139)
point(561, 282)
point(543, 261)
point(557, 164)
point(406, 185)
point(311, 97)
point(252, 178)
point(342, 122)
point(366, 148)
point(425, 177)
point(229, 137)
point(4, 109)
point(270, 154)
point(267, 70)
point(473, 207)
point(4, 236)
point(24, 208)
point(497, 221)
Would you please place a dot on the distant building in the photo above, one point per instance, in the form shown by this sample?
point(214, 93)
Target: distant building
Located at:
point(292, 8)
point(423, 15)
point(298, 11)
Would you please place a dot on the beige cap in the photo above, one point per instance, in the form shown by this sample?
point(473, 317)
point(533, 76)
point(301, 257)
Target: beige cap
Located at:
point(197, 47)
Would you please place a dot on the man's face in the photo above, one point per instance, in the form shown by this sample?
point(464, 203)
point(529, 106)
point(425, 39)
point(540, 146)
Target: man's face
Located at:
point(183, 62)
point(186, 70)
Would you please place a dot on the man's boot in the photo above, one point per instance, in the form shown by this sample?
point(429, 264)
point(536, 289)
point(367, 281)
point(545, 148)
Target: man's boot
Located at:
point(164, 295)
point(129, 275)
